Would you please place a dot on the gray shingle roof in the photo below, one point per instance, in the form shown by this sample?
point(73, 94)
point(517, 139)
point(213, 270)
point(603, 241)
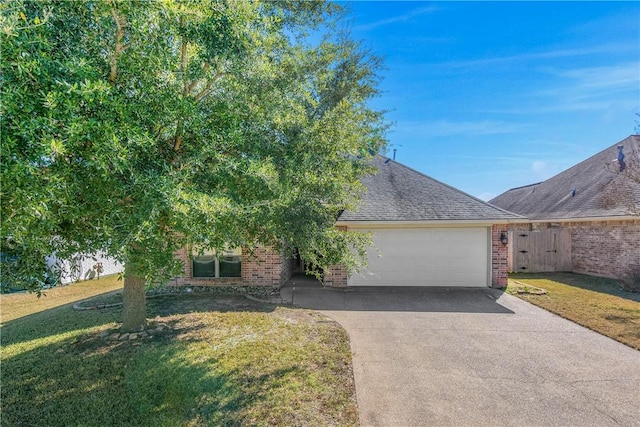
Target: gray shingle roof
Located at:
point(399, 193)
point(599, 190)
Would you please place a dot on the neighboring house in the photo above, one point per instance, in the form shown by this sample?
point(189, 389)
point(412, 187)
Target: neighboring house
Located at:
point(595, 203)
point(426, 233)
point(84, 267)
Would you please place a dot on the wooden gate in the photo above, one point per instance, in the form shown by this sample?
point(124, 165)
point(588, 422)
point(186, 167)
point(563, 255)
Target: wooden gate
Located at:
point(540, 251)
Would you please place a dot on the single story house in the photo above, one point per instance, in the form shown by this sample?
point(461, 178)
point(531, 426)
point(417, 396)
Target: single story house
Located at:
point(595, 203)
point(426, 233)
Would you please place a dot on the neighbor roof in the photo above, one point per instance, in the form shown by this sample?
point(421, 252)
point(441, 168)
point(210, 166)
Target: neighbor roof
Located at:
point(399, 193)
point(601, 190)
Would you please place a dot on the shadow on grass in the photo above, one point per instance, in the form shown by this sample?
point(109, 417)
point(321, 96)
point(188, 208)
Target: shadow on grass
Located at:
point(65, 319)
point(98, 383)
point(582, 281)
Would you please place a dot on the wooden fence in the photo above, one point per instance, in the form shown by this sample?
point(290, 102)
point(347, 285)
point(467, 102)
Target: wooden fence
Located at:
point(540, 251)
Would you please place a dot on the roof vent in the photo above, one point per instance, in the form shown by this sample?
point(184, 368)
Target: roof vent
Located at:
point(573, 192)
point(620, 158)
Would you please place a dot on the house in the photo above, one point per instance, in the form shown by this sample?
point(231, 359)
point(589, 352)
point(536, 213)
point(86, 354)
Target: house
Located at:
point(84, 267)
point(426, 233)
point(595, 204)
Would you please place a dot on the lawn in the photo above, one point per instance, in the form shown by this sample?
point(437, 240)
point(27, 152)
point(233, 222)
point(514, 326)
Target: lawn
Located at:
point(594, 302)
point(224, 360)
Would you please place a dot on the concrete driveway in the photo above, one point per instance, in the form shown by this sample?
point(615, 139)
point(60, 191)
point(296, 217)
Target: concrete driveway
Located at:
point(472, 357)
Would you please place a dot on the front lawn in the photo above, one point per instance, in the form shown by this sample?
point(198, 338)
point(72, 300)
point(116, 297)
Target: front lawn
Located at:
point(594, 302)
point(223, 360)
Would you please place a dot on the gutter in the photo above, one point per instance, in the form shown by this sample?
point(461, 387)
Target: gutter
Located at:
point(430, 223)
point(586, 219)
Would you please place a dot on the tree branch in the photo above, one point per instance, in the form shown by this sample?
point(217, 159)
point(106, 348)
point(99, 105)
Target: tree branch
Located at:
point(177, 141)
point(205, 68)
point(209, 87)
point(120, 24)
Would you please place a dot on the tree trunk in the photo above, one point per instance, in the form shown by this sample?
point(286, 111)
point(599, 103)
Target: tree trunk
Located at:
point(134, 309)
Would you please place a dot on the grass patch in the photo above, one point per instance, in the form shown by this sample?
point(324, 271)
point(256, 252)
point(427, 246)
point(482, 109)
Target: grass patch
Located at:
point(594, 302)
point(22, 304)
point(225, 361)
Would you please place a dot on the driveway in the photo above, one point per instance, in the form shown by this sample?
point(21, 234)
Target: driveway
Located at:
point(471, 357)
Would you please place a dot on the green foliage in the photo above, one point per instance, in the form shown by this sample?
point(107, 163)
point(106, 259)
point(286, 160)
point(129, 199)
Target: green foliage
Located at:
point(137, 128)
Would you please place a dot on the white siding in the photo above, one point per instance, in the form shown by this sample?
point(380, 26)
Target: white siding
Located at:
point(84, 267)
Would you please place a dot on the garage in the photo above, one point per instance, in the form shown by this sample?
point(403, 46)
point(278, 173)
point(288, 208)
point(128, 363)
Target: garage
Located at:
point(425, 233)
point(427, 257)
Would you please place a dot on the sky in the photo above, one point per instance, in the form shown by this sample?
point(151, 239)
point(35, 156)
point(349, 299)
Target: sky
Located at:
point(490, 96)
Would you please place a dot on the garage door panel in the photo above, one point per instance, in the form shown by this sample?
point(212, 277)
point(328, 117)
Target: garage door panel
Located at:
point(427, 257)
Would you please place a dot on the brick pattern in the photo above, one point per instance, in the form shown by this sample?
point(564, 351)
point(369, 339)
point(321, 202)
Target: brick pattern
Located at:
point(600, 248)
point(605, 248)
point(335, 276)
point(261, 266)
point(499, 254)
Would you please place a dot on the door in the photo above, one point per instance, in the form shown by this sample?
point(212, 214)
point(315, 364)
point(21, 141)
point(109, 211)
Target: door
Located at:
point(427, 257)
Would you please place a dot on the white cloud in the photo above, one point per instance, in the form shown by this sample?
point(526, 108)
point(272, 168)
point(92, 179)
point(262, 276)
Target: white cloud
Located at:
point(544, 54)
point(486, 196)
point(448, 128)
point(398, 18)
point(543, 170)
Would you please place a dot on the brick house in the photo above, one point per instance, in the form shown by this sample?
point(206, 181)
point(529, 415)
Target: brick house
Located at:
point(596, 203)
point(425, 233)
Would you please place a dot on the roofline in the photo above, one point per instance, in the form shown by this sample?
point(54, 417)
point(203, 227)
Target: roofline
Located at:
point(574, 166)
point(449, 186)
point(429, 223)
point(587, 219)
point(522, 186)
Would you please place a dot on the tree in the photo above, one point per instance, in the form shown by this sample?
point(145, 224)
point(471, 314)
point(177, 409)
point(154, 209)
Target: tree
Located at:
point(138, 128)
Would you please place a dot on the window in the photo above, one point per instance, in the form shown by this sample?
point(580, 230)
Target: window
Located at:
point(227, 263)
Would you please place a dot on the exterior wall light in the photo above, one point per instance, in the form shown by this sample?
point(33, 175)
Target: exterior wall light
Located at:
point(503, 237)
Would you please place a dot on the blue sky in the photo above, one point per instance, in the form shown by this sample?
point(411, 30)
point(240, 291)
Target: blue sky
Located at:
point(489, 96)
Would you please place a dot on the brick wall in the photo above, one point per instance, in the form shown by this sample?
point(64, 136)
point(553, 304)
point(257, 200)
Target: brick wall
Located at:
point(263, 266)
point(335, 276)
point(499, 254)
point(600, 248)
point(605, 248)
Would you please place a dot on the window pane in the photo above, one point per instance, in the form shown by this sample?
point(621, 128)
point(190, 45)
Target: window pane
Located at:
point(231, 266)
point(204, 266)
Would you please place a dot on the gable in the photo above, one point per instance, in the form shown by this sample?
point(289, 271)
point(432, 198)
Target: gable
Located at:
point(593, 188)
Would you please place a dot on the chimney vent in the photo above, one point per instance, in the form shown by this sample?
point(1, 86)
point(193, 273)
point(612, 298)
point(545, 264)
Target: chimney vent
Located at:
point(621, 164)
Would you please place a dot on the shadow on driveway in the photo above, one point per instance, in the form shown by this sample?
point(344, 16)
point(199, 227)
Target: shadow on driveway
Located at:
point(310, 294)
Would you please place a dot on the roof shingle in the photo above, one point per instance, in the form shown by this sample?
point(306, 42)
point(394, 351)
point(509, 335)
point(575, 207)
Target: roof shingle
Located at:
point(593, 179)
point(399, 193)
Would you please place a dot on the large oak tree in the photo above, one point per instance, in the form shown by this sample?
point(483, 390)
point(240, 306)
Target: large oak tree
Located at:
point(138, 128)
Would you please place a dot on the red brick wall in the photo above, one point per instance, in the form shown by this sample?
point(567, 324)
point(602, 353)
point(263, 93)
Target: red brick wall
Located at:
point(605, 248)
point(600, 248)
point(262, 267)
point(335, 276)
point(499, 254)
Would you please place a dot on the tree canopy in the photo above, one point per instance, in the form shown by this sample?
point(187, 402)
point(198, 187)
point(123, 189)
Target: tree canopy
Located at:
point(138, 128)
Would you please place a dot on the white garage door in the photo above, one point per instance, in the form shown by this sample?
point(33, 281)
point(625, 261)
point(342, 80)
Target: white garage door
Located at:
point(427, 257)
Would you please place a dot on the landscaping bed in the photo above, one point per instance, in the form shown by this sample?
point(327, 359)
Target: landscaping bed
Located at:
point(597, 303)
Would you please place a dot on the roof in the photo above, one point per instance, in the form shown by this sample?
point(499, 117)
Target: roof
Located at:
point(601, 190)
point(399, 193)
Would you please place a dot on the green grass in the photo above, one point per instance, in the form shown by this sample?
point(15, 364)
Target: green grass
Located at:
point(17, 305)
point(594, 302)
point(226, 361)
